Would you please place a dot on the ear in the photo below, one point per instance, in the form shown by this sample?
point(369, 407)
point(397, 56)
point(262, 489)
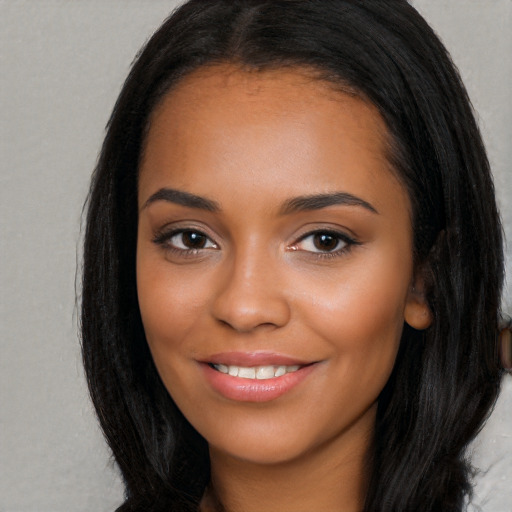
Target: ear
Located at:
point(417, 312)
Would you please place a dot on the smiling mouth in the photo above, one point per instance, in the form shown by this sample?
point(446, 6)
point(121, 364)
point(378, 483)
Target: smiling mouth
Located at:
point(256, 372)
point(256, 376)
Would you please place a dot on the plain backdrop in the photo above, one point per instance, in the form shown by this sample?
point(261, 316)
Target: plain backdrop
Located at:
point(62, 66)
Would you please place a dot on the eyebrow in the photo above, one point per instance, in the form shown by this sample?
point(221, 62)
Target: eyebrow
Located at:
point(184, 199)
point(294, 205)
point(319, 201)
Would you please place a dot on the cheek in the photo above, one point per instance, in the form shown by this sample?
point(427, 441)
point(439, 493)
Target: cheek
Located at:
point(170, 303)
point(170, 308)
point(359, 310)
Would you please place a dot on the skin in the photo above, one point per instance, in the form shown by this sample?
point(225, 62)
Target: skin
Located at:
point(259, 281)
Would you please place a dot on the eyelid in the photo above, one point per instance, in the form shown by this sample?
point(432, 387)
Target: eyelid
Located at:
point(210, 244)
point(347, 240)
point(163, 236)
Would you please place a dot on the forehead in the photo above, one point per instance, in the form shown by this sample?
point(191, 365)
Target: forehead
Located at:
point(285, 127)
point(286, 92)
point(248, 84)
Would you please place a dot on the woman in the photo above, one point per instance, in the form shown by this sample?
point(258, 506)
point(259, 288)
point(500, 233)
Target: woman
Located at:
point(293, 264)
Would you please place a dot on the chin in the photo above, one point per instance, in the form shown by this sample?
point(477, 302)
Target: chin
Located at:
point(267, 452)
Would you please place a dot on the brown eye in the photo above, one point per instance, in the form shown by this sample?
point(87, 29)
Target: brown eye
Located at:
point(325, 242)
point(193, 240)
point(185, 240)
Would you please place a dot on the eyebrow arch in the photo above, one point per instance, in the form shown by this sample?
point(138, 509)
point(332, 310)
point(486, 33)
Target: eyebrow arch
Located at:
point(182, 198)
point(319, 201)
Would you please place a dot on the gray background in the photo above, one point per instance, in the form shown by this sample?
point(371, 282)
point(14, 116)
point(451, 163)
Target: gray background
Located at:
point(62, 65)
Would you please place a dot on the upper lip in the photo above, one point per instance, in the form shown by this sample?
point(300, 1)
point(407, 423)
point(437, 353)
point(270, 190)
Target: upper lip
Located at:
point(249, 359)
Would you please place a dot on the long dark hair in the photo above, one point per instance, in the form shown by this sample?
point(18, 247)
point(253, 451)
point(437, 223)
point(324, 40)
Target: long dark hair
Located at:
point(446, 378)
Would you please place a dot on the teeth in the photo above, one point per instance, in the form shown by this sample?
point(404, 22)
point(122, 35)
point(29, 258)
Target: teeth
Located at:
point(265, 372)
point(222, 368)
point(280, 371)
point(247, 373)
point(258, 372)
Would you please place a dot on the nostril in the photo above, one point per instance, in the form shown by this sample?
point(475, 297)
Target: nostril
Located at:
point(245, 326)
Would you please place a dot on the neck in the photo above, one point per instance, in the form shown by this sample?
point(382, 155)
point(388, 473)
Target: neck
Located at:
point(331, 477)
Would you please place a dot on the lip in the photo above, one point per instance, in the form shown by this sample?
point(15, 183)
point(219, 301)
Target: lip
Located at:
point(254, 390)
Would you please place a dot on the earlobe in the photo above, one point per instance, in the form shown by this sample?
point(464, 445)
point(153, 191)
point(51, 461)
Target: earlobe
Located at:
point(418, 315)
point(417, 312)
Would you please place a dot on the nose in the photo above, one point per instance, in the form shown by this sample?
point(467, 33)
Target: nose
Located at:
point(251, 294)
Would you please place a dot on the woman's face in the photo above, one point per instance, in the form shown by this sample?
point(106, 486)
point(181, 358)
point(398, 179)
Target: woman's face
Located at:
point(274, 261)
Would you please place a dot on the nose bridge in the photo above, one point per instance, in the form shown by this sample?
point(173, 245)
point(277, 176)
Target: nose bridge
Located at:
point(250, 294)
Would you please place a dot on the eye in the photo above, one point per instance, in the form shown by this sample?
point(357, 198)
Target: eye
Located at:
point(191, 240)
point(185, 240)
point(324, 242)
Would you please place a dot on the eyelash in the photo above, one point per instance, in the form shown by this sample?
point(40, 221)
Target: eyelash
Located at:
point(164, 238)
point(336, 235)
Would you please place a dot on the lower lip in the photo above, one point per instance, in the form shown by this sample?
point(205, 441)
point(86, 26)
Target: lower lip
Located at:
point(254, 390)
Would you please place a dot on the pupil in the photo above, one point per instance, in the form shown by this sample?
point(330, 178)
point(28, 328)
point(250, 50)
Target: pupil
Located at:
point(194, 240)
point(325, 242)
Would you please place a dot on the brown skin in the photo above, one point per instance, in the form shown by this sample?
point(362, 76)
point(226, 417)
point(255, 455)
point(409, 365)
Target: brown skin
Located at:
point(250, 141)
